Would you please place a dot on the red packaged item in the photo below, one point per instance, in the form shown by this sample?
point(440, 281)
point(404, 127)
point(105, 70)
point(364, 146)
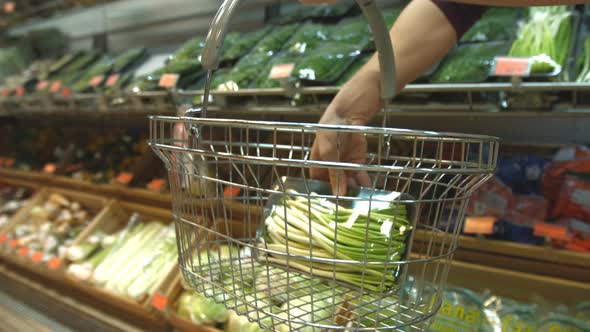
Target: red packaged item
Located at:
point(568, 160)
point(492, 199)
point(530, 205)
point(574, 199)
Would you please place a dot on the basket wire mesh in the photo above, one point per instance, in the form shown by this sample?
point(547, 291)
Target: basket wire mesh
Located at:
point(227, 176)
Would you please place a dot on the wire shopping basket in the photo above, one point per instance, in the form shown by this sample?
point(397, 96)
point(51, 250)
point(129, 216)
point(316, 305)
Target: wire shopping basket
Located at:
point(258, 234)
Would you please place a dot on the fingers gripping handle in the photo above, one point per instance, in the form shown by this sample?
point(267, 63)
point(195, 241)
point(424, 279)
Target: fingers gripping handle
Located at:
point(218, 30)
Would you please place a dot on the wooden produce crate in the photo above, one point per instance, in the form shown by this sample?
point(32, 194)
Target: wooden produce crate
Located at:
point(114, 219)
point(95, 205)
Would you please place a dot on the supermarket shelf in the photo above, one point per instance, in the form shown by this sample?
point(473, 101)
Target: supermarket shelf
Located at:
point(537, 260)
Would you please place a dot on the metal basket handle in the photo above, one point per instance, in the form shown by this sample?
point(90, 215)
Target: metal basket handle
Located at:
point(213, 45)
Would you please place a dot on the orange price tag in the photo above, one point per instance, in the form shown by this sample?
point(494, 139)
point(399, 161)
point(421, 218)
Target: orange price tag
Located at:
point(13, 243)
point(168, 81)
point(112, 80)
point(231, 191)
point(24, 251)
point(74, 167)
point(281, 71)
point(509, 66)
point(55, 86)
point(49, 168)
point(479, 225)
point(3, 238)
point(66, 92)
point(9, 7)
point(156, 184)
point(551, 231)
point(54, 263)
point(19, 91)
point(96, 80)
point(5, 92)
point(160, 302)
point(37, 257)
point(42, 85)
point(125, 178)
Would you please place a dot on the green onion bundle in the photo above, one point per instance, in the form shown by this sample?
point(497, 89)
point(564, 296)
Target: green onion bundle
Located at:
point(584, 75)
point(545, 37)
point(315, 228)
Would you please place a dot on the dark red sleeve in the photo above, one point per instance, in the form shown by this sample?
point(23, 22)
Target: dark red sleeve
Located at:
point(461, 16)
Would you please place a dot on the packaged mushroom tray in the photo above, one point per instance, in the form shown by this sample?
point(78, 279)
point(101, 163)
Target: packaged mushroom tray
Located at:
point(52, 223)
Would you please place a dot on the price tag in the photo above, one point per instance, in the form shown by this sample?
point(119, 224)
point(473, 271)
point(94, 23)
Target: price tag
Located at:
point(96, 80)
point(5, 92)
point(231, 191)
point(479, 225)
point(125, 178)
point(281, 71)
point(54, 263)
point(49, 168)
point(42, 85)
point(156, 184)
point(13, 243)
point(19, 91)
point(66, 92)
point(23, 252)
point(112, 80)
point(55, 86)
point(73, 167)
point(510, 66)
point(9, 162)
point(3, 238)
point(37, 257)
point(160, 302)
point(168, 81)
point(9, 7)
point(552, 231)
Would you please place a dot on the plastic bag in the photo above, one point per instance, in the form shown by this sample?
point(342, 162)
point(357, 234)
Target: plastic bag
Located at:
point(497, 24)
point(468, 63)
point(327, 63)
point(237, 44)
point(522, 173)
point(527, 210)
point(546, 35)
point(492, 199)
point(309, 37)
point(354, 31)
point(353, 69)
point(574, 199)
point(461, 311)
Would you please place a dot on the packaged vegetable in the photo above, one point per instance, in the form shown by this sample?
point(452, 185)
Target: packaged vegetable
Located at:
point(327, 63)
point(492, 199)
point(129, 59)
point(191, 50)
point(99, 70)
point(353, 31)
point(546, 37)
point(307, 38)
point(468, 63)
point(497, 24)
point(237, 44)
point(584, 63)
point(274, 41)
point(263, 81)
point(462, 311)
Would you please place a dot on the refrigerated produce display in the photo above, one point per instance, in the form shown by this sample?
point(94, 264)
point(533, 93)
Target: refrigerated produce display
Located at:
point(140, 190)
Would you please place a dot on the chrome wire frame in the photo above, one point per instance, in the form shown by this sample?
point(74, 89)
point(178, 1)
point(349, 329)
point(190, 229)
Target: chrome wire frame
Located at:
point(223, 175)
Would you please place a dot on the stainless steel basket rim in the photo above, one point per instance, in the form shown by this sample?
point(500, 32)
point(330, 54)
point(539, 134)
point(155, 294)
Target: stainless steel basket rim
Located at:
point(298, 126)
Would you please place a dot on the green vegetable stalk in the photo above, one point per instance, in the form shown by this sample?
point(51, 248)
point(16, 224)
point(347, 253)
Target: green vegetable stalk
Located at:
point(320, 229)
point(546, 36)
point(584, 76)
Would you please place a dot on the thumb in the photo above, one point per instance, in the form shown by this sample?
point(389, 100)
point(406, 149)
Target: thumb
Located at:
point(338, 182)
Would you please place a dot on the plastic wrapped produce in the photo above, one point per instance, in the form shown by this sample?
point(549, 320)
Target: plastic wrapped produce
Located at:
point(327, 63)
point(237, 44)
point(353, 31)
point(353, 69)
point(584, 63)
point(99, 70)
point(496, 25)
point(309, 37)
point(461, 311)
point(546, 37)
point(468, 63)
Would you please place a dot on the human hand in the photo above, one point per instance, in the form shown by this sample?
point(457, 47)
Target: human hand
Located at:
point(355, 104)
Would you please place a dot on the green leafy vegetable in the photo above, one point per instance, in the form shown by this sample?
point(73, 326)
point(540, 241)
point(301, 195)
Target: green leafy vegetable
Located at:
point(327, 63)
point(337, 232)
point(498, 24)
point(237, 44)
point(128, 59)
point(353, 31)
point(584, 63)
point(353, 69)
point(546, 34)
point(307, 38)
point(468, 63)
